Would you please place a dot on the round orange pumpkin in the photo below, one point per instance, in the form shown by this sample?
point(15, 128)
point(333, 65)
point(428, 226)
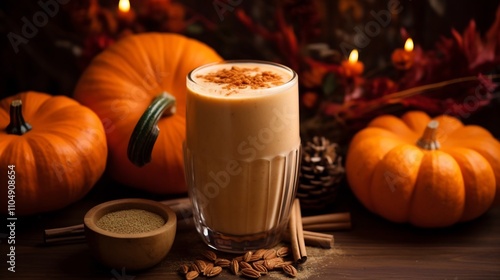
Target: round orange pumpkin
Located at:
point(52, 152)
point(122, 82)
point(430, 173)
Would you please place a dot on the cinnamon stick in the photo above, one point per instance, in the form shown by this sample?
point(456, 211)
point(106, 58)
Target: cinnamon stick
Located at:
point(297, 234)
point(316, 239)
point(327, 218)
point(321, 242)
point(317, 234)
point(65, 239)
point(64, 231)
point(328, 226)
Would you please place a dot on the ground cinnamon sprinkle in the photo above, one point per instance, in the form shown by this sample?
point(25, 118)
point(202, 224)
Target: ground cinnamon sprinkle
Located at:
point(240, 78)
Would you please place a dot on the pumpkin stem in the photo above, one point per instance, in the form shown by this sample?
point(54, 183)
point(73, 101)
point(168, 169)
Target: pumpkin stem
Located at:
point(428, 141)
point(140, 145)
point(17, 123)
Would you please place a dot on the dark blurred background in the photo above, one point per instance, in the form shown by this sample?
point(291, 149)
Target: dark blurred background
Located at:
point(49, 62)
point(60, 48)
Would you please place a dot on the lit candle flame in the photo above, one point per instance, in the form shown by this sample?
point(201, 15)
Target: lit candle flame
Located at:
point(409, 45)
point(124, 6)
point(353, 56)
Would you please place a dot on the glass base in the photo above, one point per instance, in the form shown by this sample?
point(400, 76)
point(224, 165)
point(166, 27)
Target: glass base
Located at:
point(240, 244)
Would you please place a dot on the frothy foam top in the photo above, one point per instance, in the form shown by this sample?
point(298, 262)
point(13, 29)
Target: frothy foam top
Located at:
point(235, 80)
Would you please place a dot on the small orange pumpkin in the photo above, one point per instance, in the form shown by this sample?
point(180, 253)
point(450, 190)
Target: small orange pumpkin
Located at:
point(125, 85)
point(430, 173)
point(402, 59)
point(52, 152)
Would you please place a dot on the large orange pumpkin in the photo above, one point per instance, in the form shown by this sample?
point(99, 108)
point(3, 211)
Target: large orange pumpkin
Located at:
point(430, 173)
point(121, 83)
point(52, 152)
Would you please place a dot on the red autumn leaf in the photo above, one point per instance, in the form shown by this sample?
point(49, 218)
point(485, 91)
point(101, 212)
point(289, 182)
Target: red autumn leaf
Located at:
point(332, 109)
point(93, 45)
point(252, 26)
point(378, 87)
point(493, 33)
point(430, 105)
point(487, 83)
point(477, 51)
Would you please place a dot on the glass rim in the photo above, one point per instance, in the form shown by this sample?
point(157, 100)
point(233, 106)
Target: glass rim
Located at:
point(288, 83)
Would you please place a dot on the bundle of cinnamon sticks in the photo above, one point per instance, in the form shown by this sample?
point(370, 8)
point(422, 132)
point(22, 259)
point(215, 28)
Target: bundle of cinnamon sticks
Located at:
point(303, 230)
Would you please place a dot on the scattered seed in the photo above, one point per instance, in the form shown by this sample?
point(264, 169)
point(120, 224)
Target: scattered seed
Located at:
point(283, 252)
point(192, 275)
point(259, 262)
point(254, 258)
point(239, 258)
point(216, 270)
point(278, 259)
point(235, 267)
point(290, 270)
point(194, 267)
point(270, 264)
point(200, 264)
point(252, 264)
point(250, 273)
point(244, 265)
point(270, 254)
point(260, 268)
point(282, 264)
point(184, 269)
point(208, 268)
point(259, 253)
point(211, 256)
point(222, 262)
point(247, 256)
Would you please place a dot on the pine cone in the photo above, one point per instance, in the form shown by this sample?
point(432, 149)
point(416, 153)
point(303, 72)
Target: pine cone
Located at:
point(320, 173)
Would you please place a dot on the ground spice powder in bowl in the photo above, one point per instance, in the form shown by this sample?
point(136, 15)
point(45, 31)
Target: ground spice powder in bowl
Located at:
point(130, 233)
point(130, 221)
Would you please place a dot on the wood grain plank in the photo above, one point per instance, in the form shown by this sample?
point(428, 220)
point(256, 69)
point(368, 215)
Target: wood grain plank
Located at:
point(372, 249)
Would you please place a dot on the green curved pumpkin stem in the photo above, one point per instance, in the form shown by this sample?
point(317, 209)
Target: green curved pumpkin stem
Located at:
point(17, 123)
point(429, 141)
point(142, 141)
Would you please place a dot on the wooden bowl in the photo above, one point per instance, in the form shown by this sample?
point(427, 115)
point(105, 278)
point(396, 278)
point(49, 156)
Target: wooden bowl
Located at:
point(134, 251)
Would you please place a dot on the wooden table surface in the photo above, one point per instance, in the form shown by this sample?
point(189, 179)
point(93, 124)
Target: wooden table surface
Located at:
point(372, 249)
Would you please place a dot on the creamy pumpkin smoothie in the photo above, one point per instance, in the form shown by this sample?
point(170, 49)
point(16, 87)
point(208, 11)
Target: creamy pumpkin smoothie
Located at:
point(242, 151)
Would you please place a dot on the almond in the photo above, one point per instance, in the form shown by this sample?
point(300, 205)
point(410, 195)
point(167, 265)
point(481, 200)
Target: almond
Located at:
point(192, 275)
point(235, 267)
point(290, 270)
point(250, 273)
point(211, 256)
point(214, 271)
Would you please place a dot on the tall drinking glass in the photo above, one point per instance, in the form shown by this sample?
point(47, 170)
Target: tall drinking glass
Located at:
point(242, 152)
